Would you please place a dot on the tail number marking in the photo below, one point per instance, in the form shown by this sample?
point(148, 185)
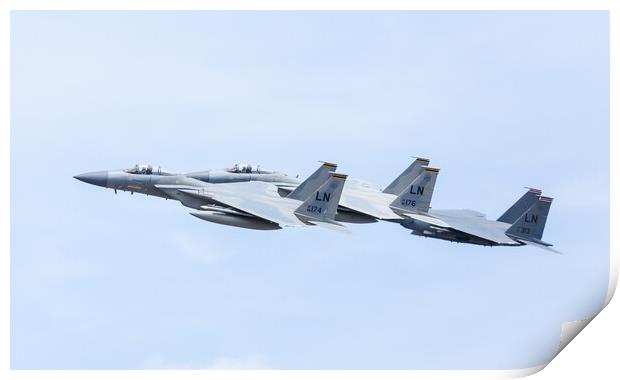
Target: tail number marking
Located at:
point(523, 230)
point(314, 209)
point(408, 202)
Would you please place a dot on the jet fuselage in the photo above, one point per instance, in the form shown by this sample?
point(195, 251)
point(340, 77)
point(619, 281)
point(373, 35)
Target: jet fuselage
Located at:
point(421, 228)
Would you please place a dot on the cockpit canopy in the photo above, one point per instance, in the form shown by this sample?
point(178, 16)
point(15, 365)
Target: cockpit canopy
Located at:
point(148, 170)
point(247, 168)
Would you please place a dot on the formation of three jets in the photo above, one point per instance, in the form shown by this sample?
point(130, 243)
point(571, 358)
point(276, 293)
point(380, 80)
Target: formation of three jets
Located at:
point(252, 197)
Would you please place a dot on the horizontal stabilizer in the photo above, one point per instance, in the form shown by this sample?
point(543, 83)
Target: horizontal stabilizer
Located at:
point(541, 244)
point(334, 226)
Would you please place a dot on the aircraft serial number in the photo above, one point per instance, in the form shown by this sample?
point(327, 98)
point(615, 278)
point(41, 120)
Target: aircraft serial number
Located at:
point(523, 230)
point(314, 209)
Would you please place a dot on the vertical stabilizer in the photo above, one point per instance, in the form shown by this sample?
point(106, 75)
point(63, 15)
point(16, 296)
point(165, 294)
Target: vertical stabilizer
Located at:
point(417, 196)
point(312, 183)
point(516, 210)
point(531, 225)
point(323, 203)
point(405, 178)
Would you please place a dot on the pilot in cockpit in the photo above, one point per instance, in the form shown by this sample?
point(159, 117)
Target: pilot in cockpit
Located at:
point(241, 168)
point(247, 168)
point(147, 170)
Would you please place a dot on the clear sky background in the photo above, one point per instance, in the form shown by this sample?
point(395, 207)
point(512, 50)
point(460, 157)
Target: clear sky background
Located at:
point(497, 100)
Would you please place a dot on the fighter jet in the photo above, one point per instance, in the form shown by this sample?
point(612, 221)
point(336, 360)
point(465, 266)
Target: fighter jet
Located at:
point(361, 203)
point(247, 172)
point(523, 223)
point(250, 204)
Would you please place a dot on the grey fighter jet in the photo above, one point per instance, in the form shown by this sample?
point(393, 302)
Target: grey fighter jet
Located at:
point(249, 204)
point(361, 203)
point(523, 223)
point(247, 172)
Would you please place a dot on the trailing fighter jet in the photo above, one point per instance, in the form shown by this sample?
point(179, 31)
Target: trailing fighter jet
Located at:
point(523, 223)
point(248, 204)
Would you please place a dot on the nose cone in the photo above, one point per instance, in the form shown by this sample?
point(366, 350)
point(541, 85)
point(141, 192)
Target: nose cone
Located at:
point(94, 178)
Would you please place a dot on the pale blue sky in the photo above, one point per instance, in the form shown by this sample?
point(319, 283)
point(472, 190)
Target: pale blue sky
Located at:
point(497, 100)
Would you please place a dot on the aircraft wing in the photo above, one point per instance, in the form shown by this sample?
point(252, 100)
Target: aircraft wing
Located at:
point(539, 244)
point(285, 186)
point(257, 198)
point(368, 202)
point(354, 183)
point(470, 222)
point(429, 220)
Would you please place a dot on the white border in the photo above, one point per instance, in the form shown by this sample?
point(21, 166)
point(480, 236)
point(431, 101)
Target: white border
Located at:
point(598, 345)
